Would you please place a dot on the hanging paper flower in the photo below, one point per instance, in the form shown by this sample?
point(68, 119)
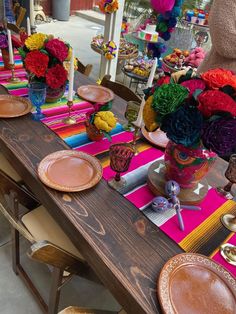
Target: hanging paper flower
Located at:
point(108, 6)
point(162, 6)
point(109, 49)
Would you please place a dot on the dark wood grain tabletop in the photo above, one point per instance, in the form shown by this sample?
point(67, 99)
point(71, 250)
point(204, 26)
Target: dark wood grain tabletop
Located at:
point(120, 244)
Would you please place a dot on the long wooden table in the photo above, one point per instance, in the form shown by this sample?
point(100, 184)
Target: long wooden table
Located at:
point(123, 247)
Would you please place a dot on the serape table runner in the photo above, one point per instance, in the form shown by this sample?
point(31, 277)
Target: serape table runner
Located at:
point(203, 232)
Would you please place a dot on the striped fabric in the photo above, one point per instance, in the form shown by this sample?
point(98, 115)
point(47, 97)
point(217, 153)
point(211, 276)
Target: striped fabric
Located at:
point(203, 230)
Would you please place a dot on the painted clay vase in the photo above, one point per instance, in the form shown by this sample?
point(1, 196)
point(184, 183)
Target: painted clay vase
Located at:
point(54, 94)
point(187, 165)
point(93, 133)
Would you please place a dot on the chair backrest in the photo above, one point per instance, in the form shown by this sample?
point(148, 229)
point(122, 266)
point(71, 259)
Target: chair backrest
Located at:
point(19, 12)
point(84, 69)
point(3, 90)
point(80, 310)
point(120, 89)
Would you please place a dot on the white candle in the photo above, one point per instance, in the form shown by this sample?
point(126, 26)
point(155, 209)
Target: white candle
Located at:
point(32, 12)
point(28, 27)
point(152, 74)
point(71, 77)
point(11, 57)
point(139, 121)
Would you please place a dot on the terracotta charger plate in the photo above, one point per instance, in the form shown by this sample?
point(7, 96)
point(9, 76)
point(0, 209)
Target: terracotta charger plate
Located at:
point(70, 171)
point(14, 106)
point(95, 93)
point(194, 284)
point(157, 138)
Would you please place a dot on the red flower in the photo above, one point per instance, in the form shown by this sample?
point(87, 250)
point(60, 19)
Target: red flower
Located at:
point(212, 101)
point(56, 76)
point(36, 63)
point(193, 85)
point(217, 78)
point(163, 80)
point(57, 49)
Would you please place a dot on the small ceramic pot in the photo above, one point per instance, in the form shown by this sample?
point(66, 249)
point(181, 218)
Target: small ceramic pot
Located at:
point(93, 133)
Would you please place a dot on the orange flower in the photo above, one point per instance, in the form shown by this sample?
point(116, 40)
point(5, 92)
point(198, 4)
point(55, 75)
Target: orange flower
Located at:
point(217, 78)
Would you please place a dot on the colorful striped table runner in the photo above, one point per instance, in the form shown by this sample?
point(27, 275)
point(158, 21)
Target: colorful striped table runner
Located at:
point(203, 230)
point(18, 62)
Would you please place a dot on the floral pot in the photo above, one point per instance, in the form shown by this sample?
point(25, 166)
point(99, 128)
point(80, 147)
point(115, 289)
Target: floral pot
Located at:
point(93, 133)
point(187, 165)
point(54, 94)
point(5, 58)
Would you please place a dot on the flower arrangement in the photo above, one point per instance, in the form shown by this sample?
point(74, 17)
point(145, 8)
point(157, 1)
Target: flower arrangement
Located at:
point(108, 6)
point(109, 50)
point(101, 122)
point(169, 11)
point(44, 57)
point(195, 110)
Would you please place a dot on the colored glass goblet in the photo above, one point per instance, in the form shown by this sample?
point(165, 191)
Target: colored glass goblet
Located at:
point(37, 95)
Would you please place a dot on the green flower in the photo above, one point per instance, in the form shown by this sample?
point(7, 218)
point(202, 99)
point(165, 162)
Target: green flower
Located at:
point(167, 98)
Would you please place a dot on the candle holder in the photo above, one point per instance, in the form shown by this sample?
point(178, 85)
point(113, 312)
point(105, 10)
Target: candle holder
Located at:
point(135, 137)
point(69, 120)
point(230, 174)
point(13, 79)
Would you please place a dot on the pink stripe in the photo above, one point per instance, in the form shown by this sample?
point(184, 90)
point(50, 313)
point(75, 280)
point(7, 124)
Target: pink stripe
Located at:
point(193, 219)
point(96, 148)
point(141, 196)
point(19, 92)
point(218, 258)
point(141, 159)
point(53, 112)
point(6, 74)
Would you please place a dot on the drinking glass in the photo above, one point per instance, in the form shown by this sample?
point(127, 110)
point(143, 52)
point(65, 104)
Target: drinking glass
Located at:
point(120, 158)
point(37, 95)
point(131, 113)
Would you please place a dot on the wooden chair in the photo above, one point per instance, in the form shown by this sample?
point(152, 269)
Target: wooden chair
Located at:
point(78, 310)
point(120, 89)
point(86, 70)
point(3, 90)
point(49, 244)
point(19, 13)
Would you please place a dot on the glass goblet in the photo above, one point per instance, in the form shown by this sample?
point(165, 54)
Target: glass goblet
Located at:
point(131, 113)
point(37, 95)
point(120, 158)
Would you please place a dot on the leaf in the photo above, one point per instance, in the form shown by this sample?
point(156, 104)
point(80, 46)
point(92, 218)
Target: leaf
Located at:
point(197, 93)
point(22, 52)
point(107, 135)
point(106, 107)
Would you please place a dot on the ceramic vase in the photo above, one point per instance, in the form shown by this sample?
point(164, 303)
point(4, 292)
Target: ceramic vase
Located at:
point(187, 165)
point(6, 58)
point(54, 94)
point(93, 133)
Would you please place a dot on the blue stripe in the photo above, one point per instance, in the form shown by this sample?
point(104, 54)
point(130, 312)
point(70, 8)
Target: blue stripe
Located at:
point(82, 138)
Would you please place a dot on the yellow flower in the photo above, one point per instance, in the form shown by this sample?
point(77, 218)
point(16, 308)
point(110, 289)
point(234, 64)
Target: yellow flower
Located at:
point(105, 121)
point(35, 41)
point(150, 116)
point(69, 54)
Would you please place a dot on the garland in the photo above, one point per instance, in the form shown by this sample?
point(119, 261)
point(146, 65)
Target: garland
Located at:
point(109, 50)
point(108, 6)
point(169, 11)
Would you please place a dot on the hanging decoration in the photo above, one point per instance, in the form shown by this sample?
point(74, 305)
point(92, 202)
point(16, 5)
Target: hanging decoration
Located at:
point(108, 6)
point(109, 49)
point(169, 11)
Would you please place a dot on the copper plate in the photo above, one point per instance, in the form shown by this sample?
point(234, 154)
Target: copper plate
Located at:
point(95, 93)
point(157, 137)
point(14, 106)
point(194, 284)
point(70, 171)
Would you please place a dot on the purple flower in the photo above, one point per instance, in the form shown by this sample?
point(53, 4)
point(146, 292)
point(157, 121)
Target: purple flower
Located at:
point(219, 135)
point(3, 41)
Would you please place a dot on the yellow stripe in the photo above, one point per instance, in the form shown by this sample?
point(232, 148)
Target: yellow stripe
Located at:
point(225, 241)
point(204, 230)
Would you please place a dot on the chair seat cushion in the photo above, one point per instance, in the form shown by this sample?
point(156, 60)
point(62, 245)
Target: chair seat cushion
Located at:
point(43, 227)
point(7, 168)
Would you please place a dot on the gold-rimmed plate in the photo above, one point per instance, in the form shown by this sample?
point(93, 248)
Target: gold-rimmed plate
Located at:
point(192, 283)
point(70, 171)
point(157, 137)
point(14, 106)
point(95, 93)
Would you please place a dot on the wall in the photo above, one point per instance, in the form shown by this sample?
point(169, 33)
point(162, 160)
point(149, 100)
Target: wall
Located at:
point(75, 5)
